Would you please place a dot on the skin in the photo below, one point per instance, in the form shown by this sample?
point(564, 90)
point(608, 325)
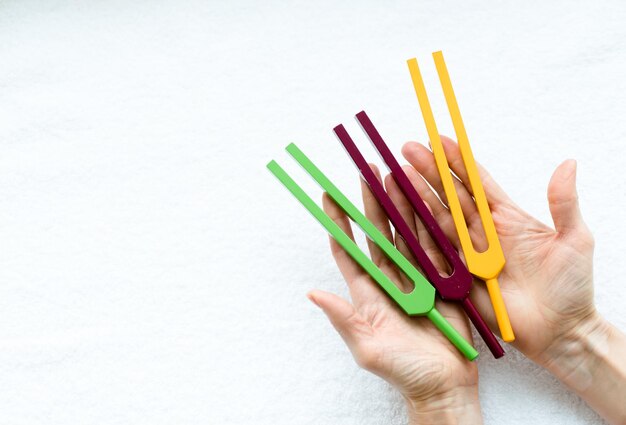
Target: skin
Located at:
point(410, 354)
point(547, 281)
point(547, 285)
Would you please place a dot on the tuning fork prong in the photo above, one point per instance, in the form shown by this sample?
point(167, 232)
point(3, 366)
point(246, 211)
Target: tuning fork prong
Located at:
point(458, 270)
point(420, 301)
point(457, 285)
point(487, 264)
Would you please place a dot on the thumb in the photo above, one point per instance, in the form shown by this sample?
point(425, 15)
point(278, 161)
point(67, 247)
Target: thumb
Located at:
point(343, 316)
point(563, 198)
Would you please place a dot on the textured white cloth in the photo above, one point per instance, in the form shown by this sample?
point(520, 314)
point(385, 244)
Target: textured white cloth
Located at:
point(152, 271)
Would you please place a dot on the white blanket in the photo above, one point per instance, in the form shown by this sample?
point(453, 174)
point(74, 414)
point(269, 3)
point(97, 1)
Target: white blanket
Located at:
point(153, 272)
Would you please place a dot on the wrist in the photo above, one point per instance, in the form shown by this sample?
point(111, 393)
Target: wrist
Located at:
point(591, 361)
point(457, 406)
point(572, 356)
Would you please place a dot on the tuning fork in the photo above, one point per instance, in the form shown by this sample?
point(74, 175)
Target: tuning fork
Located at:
point(487, 264)
point(457, 285)
point(421, 300)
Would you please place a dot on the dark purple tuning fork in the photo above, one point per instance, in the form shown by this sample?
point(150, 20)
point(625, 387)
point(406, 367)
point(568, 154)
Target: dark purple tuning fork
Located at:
point(457, 285)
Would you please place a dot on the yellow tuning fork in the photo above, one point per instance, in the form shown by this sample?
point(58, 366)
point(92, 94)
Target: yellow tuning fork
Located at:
point(488, 264)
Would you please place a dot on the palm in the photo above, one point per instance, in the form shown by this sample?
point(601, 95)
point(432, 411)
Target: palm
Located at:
point(408, 352)
point(547, 280)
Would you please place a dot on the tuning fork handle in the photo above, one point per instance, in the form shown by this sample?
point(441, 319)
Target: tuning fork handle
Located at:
point(500, 310)
point(455, 338)
point(482, 328)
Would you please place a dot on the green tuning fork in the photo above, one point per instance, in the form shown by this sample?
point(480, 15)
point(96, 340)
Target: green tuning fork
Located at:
point(421, 300)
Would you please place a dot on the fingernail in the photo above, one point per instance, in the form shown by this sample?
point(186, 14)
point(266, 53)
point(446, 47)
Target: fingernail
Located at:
point(409, 145)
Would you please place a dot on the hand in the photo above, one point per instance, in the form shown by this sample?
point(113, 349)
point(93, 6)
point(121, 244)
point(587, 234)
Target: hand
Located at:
point(547, 280)
point(546, 283)
point(439, 384)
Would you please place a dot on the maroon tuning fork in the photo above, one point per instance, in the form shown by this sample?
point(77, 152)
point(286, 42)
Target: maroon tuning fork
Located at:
point(458, 284)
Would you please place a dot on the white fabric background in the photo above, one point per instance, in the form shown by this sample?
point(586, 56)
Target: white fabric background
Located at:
point(152, 271)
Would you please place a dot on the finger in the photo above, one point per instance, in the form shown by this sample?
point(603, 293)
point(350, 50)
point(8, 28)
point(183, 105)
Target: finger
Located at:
point(408, 216)
point(424, 162)
point(455, 162)
point(352, 327)
point(347, 266)
point(563, 199)
point(432, 250)
point(417, 227)
point(375, 213)
point(493, 192)
point(406, 211)
point(439, 211)
point(363, 289)
point(401, 203)
point(405, 284)
point(425, 191)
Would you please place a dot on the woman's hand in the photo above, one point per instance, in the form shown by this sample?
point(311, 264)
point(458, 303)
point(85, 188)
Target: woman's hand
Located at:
point(547, 282)
point(439, 384)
